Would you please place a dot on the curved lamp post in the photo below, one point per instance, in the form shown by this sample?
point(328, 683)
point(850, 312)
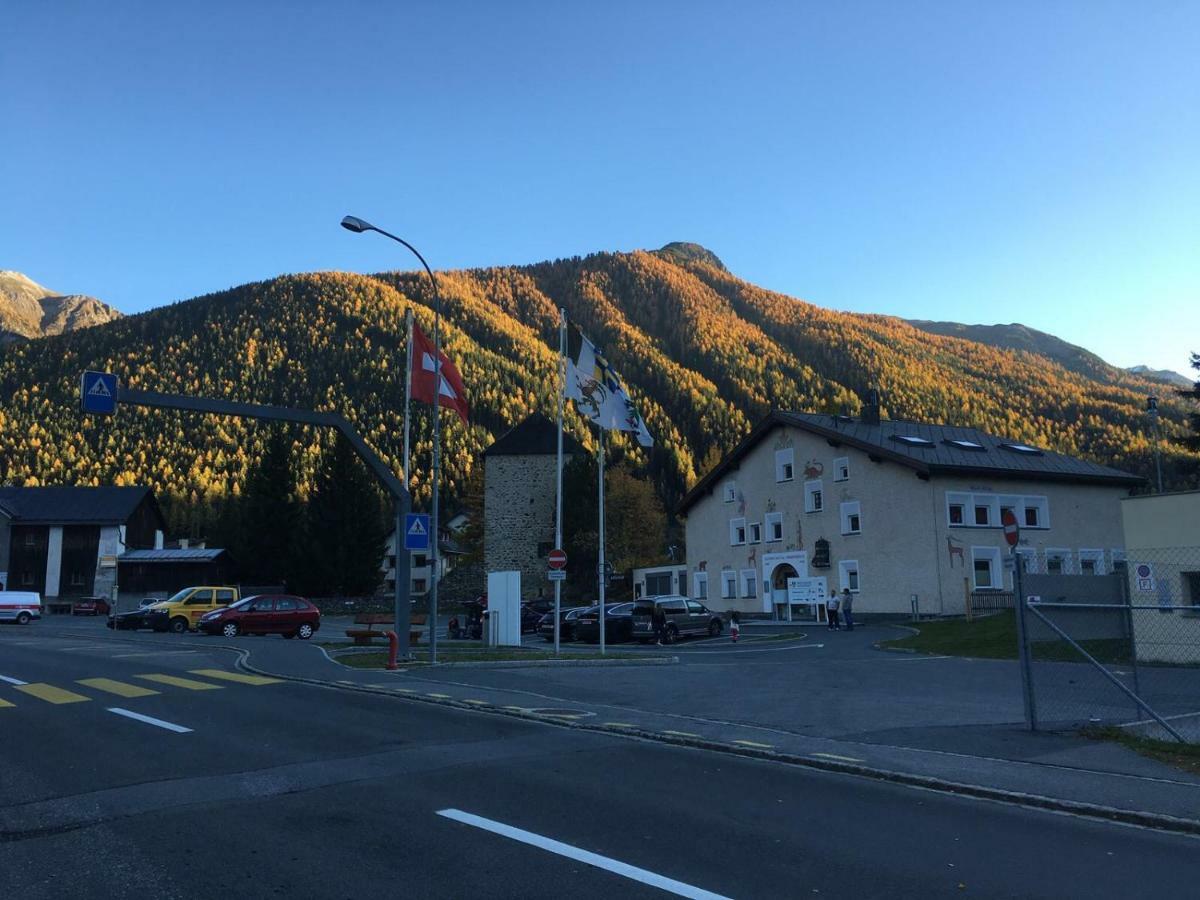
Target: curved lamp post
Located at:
point(358, 226)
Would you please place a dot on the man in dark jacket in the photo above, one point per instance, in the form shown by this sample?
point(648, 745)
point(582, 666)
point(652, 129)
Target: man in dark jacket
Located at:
point(659, 619)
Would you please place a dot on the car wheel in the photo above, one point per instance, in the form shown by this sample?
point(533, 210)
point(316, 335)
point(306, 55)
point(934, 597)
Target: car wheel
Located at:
point(179, 625)
point(714, 629)
point(304, 632)
point(230, 629)
point(23, 618)
point(672, 634)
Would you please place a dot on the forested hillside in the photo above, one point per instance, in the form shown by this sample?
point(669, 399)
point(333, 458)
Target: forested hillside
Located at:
point(704, 353)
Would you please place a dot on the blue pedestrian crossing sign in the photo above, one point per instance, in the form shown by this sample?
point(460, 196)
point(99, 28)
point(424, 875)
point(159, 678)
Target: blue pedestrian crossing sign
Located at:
point(416, 531)
point(98, 393)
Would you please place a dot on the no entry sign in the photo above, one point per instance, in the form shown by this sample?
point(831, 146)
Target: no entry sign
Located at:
point(557, 559)
point(1012, 533)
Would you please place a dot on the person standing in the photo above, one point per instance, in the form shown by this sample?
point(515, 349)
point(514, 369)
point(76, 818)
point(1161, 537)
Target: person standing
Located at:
point(847, 609)
point(735, 625)
point(659, 619)
point(831, 611)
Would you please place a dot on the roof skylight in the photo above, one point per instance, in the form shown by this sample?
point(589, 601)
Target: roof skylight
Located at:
point(963, 444)
point(1022, 448)
point(912, 440)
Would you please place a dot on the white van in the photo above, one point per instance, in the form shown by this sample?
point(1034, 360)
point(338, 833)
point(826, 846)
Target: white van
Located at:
point(20, 606)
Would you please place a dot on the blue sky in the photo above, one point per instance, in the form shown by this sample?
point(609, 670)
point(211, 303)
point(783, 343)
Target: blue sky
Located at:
point(975, 161)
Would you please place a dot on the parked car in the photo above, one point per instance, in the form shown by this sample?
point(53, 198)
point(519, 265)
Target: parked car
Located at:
point(684, 617)
point(179, 612)
point(618, 624)
point(284, 614)
point(90, 606)
point(21, 607)
point(566, 627)
point(530, 618)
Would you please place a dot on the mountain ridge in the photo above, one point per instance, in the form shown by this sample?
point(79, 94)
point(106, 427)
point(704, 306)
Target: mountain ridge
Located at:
point(28, 310)
point(704, 354)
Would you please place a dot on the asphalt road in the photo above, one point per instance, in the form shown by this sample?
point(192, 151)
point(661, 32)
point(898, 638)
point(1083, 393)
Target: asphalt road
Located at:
point(288, 789)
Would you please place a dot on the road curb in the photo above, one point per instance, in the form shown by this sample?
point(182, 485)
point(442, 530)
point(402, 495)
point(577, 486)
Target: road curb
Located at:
point(530, 664)
point(1141, 818)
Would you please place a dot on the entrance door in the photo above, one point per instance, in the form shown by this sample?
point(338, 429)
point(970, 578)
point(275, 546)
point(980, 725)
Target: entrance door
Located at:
point(779, 592)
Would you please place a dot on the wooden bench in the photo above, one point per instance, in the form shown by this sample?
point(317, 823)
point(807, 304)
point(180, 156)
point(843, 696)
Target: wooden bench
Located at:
point(366, 635)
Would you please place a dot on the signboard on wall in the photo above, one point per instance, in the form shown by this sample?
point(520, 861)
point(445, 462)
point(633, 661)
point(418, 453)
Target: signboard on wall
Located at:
point(1145, 577)
point(807, 590)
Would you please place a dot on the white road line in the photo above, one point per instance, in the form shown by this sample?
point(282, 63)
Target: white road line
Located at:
point(149, 720)
point(17, 681)
point(911, 658)
point(152, 653)
point(633, 873)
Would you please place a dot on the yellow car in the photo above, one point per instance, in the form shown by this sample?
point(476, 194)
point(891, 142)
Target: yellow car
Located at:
point(182, 611)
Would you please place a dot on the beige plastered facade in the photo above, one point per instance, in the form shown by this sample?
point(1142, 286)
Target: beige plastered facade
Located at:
point(906, 546)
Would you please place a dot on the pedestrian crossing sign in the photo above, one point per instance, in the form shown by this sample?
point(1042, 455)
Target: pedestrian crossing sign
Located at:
point(416, 531)
point(98, 393)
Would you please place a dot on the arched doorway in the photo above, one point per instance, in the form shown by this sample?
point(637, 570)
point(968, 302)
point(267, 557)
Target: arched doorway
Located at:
point(779, 592)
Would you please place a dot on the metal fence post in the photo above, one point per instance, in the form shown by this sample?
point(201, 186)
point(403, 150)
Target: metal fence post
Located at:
point(1023, 652)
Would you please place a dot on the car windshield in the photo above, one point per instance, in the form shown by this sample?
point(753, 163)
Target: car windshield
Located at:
point(176, 597)
point(241, 604)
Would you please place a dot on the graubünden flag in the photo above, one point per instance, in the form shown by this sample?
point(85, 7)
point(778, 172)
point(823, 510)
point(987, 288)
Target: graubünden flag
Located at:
point(453, 395)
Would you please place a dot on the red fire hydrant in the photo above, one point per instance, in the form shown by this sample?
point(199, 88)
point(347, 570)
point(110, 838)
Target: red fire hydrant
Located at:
point(393, 649)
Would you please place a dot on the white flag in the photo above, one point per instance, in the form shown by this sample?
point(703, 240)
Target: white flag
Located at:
point(597, 391)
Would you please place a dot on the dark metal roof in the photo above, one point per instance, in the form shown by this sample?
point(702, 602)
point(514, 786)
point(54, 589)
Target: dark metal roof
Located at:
point(72, 505)
point(536, 435)
point(996, 459)
point(189, 554)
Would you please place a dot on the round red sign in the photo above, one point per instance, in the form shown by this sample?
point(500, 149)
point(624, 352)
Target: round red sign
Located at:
point(1011, 532)
point(557, 559)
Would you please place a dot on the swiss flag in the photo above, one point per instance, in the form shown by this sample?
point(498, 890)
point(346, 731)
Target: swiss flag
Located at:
point(453, 395)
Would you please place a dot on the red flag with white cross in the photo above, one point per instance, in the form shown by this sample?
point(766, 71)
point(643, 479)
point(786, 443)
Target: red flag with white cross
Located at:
point(452, 395)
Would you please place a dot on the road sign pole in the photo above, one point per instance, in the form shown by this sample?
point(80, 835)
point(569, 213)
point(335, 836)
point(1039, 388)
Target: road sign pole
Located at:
point(600, 568)
point(1023, 644)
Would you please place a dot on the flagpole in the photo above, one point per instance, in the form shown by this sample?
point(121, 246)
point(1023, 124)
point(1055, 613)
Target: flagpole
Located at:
point(558, 535)
point(408, 365)
point(600, 566)
point(434, 529)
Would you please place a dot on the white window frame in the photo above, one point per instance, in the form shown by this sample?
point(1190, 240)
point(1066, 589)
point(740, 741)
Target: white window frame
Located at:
point(851, 509)
point(1042, 505)
point(770, 520)
point(1063, 553)
point(754, 533)
point(728, 584)
point(785, 464)
point(749, 583)
point(730, 491)
point(961, 500)
point(1028, 559)
point(735, 526)
point(990, 502)
point(841, 468)
point(812, 488)
point(1118, 555)
point(1096, 556)
point(700, 585)
point(995, 568)
point(845, 567)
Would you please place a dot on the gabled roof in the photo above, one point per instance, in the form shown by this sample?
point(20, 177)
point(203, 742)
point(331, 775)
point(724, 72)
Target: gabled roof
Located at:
point(536, 435)
point(930, 450)
point(72, 505)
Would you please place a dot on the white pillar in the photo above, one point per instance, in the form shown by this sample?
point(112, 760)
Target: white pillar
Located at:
point(54, 561)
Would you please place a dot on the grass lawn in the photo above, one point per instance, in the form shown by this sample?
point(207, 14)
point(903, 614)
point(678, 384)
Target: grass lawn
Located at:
point(1181, 756)
point(421, 657)
point(995, 637)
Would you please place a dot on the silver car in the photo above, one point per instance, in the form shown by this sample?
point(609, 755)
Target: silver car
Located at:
point(684, 617)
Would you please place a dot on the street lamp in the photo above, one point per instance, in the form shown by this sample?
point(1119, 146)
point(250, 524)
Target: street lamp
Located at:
point(358, 226)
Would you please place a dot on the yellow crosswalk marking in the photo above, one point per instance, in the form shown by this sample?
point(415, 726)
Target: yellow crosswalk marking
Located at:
point(120, 688)
point(4, 703)
point(236, 676)
point(50, 693)
point(186, 683)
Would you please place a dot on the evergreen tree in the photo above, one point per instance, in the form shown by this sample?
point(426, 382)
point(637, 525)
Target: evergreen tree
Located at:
point(1192, 441)
point(344, 532)
point(271, 516)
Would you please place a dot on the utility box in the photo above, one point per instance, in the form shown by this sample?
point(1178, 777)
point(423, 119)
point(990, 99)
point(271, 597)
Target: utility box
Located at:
point(504, 609)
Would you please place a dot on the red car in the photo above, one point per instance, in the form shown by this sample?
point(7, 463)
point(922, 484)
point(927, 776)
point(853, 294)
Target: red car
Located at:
point(90, 606)
point(284, 614)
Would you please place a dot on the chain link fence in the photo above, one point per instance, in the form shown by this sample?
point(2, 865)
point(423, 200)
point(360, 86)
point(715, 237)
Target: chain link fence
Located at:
point(1118, 648)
